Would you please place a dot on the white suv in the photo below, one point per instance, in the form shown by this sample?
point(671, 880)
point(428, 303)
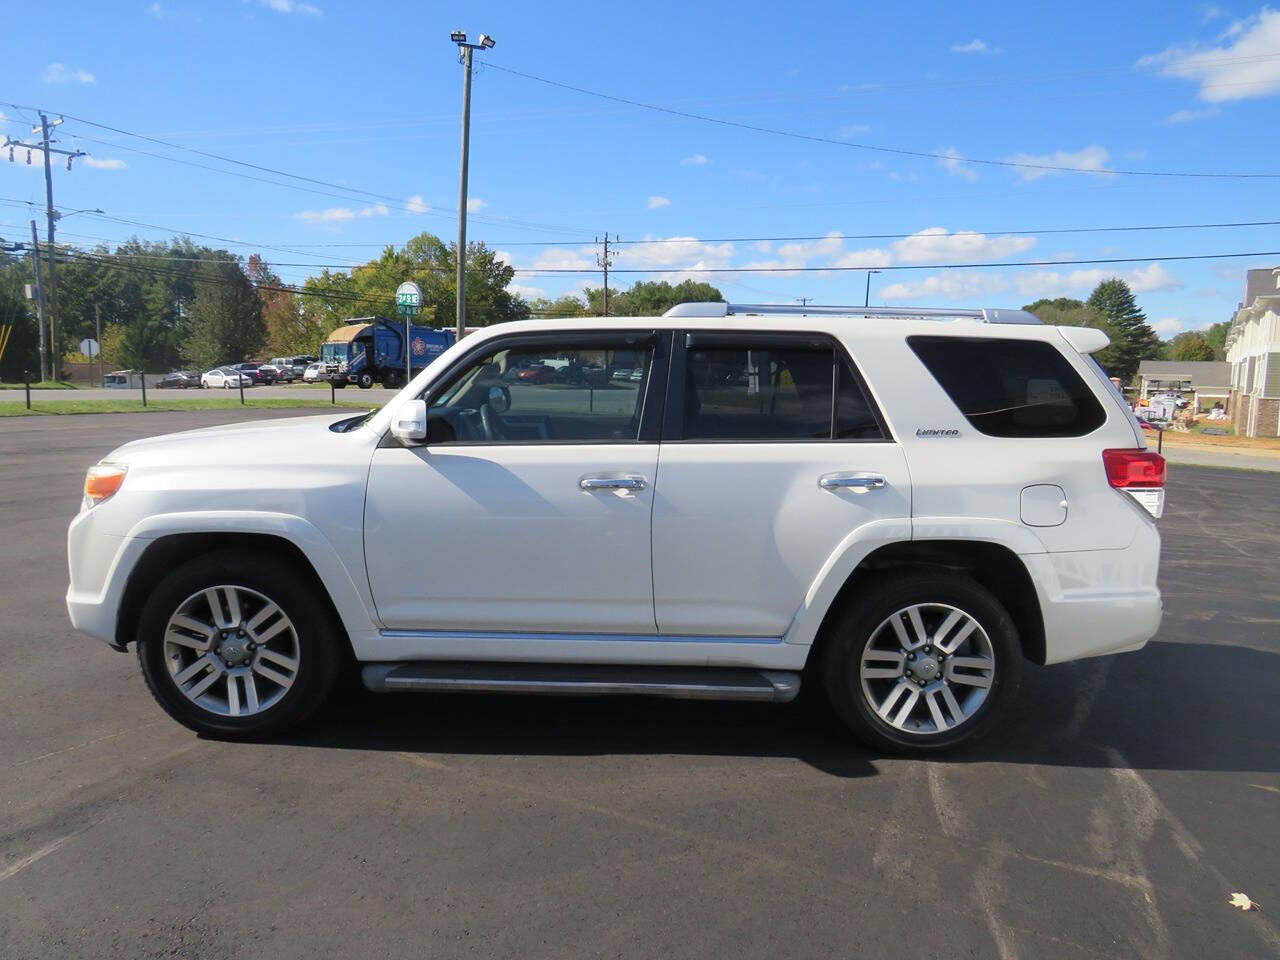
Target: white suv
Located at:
point(902, 505)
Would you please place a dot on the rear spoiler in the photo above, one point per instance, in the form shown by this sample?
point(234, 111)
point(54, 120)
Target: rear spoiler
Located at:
point(1085, 339)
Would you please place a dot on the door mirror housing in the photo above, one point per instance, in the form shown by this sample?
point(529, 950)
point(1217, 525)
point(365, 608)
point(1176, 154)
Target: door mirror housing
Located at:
point(499, 399)
point(409, 425)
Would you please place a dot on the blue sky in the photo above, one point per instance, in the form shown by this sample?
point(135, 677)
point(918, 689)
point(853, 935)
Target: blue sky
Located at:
point(368, 96)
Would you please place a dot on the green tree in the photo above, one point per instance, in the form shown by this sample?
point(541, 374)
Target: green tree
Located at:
point(1190, 345)
point(650, 298)
point(370, 289)
point(288, 331)
point(20, 354)
point(1134, 341)
point(566, 306)
point(1216, 337)
point(224, 323)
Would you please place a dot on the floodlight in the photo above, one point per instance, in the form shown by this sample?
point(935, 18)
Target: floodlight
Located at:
point(458, 36)
point(486, 41)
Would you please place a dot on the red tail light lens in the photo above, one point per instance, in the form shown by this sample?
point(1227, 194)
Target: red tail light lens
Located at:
point(1134, 468)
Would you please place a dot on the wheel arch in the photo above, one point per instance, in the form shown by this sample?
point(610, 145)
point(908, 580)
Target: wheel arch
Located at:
point(167, 552)
point(993, 565)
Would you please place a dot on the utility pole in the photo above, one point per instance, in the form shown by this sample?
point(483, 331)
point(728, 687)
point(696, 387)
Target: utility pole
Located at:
point(804, 301)
point(867, 301)
point(486, 42)
point(51, 215)
point(605, 261)
point(40, 320)
point(97, 336)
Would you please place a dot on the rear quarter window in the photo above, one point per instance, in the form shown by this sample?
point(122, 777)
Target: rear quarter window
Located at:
point(1011, 388)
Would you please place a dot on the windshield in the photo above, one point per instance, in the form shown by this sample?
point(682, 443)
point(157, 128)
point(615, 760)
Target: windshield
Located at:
point(335, 351)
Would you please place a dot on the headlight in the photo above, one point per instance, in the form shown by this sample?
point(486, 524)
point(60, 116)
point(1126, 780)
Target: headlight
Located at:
point(102, 482)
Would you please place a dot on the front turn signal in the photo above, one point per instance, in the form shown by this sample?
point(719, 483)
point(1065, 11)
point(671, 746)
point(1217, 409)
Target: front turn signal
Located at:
point(102, 482)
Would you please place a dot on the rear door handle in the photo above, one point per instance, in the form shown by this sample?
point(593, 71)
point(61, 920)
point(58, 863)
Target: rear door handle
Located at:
point(629, 482)
point(858, 482)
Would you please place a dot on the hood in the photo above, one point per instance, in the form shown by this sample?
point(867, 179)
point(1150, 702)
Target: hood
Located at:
point(277, 440)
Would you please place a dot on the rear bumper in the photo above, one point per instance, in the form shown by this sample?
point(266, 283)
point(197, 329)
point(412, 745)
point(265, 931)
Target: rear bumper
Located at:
point(1096, 602)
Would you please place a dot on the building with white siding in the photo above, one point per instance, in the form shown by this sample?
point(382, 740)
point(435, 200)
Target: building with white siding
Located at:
point(1253, 350)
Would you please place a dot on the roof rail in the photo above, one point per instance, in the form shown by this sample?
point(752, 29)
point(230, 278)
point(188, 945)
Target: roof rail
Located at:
point(719, 309)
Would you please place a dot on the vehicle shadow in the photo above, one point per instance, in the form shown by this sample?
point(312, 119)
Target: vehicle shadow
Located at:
point(1174, 706)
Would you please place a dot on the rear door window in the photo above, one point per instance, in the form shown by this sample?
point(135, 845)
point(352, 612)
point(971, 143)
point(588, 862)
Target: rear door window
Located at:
point(1011, 388)
point(772, 389)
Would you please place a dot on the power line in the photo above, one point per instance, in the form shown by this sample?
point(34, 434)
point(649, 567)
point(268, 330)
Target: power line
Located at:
point(898, 151)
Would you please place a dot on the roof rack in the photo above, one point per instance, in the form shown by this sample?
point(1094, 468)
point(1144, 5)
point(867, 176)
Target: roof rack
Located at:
point(718, 309)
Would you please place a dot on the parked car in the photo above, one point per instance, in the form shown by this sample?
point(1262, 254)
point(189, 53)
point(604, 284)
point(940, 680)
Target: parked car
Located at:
point(226, 377)
point(538, 373)
point(260, 374)
point(900, 505)
point(178, 380)
point(280, 369)
point(637, 375)
point(312, 373)
point(301, 362)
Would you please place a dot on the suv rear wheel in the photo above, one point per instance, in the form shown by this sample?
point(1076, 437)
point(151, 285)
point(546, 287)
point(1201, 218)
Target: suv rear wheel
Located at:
point(921, 662)
point(233, 646)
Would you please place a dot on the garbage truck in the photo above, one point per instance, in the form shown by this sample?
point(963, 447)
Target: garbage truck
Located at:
point(369, 350)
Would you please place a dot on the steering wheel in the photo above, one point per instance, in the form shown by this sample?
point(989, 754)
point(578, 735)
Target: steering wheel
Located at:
point(492, 424)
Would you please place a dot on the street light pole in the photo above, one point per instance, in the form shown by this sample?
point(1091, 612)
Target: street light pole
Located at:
point(867, 301)
point(486, 42)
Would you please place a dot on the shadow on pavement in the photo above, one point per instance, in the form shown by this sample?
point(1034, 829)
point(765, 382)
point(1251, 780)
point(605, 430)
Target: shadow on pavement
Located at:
point(1175, 706)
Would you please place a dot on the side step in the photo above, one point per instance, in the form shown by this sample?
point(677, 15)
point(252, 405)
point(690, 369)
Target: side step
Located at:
point(572, 679)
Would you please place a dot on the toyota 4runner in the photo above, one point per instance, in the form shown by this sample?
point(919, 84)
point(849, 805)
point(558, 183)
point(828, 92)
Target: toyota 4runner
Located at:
point(901, 505)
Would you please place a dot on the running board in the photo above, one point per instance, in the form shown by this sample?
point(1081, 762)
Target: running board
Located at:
point(569, 679)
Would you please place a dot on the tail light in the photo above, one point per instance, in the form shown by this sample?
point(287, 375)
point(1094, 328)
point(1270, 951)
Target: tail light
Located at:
point(1140, 474)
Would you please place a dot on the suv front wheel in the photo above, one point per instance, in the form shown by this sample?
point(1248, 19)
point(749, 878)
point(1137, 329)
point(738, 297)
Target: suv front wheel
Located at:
point(234, 647)
point(921, 662)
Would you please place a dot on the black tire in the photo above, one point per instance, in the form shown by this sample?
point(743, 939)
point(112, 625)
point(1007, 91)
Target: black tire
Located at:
point(365, 381)
point(319, 641)
point(853, 627)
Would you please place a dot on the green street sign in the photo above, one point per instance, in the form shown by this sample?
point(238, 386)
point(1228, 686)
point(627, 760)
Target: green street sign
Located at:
point(408, 299)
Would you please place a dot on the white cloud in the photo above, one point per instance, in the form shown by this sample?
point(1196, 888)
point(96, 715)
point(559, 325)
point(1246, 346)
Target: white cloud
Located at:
point(559, 259)
point(1168, 327)
point(872, 257)
point(937, 245)
point(952, 164)
point(475, 204)
point(1188, 116)
point(291, 6)
point(529, 293)
point(669, 252)
point(104, 163)
point(952, 285)
point(975, 46)
point(1245, 67)
point(695, 160)
point(852, 130)
point(61, 73)
point(1092, 159)
point(328, 215)
point(377, 210)
point(156, 10)
point(416, 204)
point(655, 202)
point(1212, 13)
point(1044, 283)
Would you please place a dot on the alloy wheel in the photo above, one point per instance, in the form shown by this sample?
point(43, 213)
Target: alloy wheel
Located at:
point(927, 668)
point(231, 651)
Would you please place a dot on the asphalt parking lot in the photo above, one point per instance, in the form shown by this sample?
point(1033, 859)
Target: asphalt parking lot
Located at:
point(1113, 815)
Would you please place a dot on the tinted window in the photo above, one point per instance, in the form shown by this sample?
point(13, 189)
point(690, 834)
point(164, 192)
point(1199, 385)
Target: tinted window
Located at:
point(1011, 388)
point(772, 393)
point(544, 394)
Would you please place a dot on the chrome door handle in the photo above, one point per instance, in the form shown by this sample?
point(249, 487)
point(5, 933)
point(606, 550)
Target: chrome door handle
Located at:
point(631, 482)
point(858, 482)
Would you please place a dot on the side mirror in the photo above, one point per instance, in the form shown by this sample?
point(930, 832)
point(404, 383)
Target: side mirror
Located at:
point(409, 425)
point(499, 399)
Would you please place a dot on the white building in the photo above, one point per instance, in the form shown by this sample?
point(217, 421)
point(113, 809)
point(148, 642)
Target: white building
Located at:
point(1253, 350)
